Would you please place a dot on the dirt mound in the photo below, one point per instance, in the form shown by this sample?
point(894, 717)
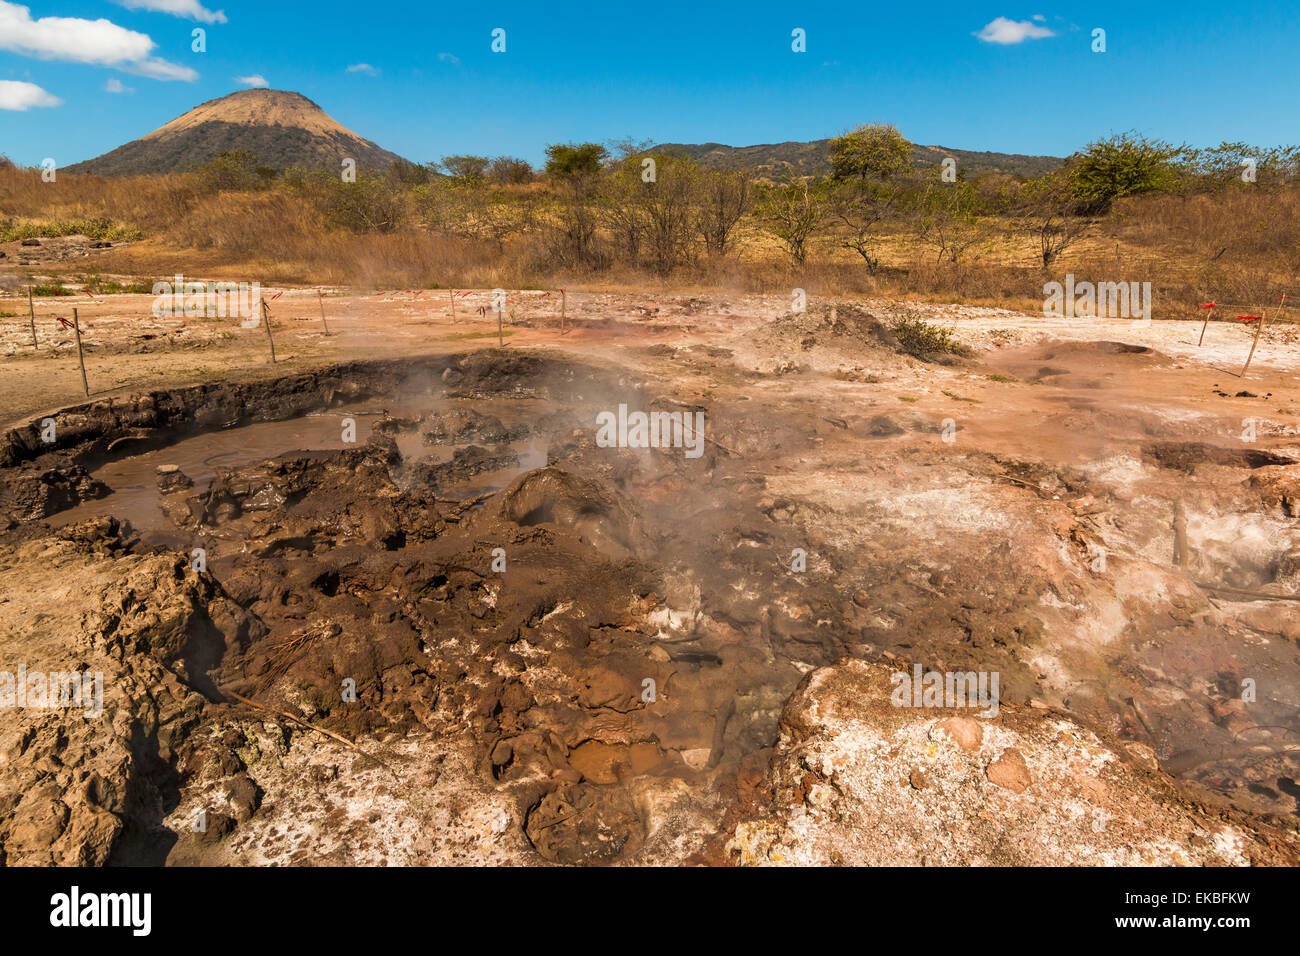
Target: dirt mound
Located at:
point(600, 518)
point(467, 425)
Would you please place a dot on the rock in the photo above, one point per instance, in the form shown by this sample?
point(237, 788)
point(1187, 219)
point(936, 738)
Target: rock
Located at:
point(918, 779)
point(861, 598)
point(965, 732)
point(882, 426)
point(1143, 754)
point(1010, 772)
point(217, 826)
point(501, 754)
point(244, 796)
point(172, 479)
point(31, 242)
point(696, 758)
point(34, 495)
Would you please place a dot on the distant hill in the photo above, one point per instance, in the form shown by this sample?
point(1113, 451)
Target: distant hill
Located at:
point(280, 128)
point(812, 157)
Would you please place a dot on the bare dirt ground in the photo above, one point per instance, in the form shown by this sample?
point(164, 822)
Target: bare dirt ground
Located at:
point(1101, 513)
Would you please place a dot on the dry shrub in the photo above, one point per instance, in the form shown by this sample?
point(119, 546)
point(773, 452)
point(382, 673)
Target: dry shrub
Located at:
point(1239, 245)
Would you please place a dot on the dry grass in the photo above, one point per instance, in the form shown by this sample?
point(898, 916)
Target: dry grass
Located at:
point(1240, 247)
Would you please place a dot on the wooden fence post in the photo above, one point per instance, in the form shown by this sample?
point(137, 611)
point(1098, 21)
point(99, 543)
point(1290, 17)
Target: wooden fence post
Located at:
point(321, 294)
point(1263, 316)
point(81, 358)
point(1209, 311)
point(266, 319)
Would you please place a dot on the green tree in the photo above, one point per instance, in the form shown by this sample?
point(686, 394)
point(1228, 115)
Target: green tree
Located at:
point(407, 173)
point(576, 170)
point(869, 152)
point(472, 168)
point(1124, 165)
point(569, 160)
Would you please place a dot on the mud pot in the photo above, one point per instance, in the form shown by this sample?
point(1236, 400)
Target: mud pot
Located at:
point(414, 612)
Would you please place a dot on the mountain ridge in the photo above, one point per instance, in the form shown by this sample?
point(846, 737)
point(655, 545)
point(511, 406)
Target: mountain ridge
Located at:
point(280, 127)
point(813, 156)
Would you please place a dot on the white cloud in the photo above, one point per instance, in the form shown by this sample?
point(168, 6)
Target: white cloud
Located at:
point(15, 95)
point(256, 80)
point(1006, 32)
point(161, 70)
point(97, 42)
point(114, 85)
point(365, 68)
point(448, 58)
point(1040, 18)
point(189, 9)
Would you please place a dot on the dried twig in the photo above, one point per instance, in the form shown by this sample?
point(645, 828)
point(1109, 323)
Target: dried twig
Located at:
point(320, 730)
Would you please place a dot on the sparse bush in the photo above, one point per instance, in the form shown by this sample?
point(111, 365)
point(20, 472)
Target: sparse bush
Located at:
point(918, 337)
point(796, 210)
point(231, 171)
point(509, 171)
point(726, 197)
point(98, 228)
point(51, 290)
point(371, 204)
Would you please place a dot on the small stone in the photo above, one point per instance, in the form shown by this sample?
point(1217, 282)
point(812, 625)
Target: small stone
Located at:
point(861, 598)
point(1010, 772)
point(171, 478)
point(657, 653)
point(918, 780)
point(696, 758)
point(965, 732)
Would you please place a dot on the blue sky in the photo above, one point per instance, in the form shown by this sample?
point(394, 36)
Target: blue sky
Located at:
point(1184, 70)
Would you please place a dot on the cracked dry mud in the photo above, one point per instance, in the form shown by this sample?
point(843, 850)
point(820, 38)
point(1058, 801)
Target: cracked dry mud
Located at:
point(648, 680)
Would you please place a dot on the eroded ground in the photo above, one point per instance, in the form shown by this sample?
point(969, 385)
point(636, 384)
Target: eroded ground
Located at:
point(1102, 514)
